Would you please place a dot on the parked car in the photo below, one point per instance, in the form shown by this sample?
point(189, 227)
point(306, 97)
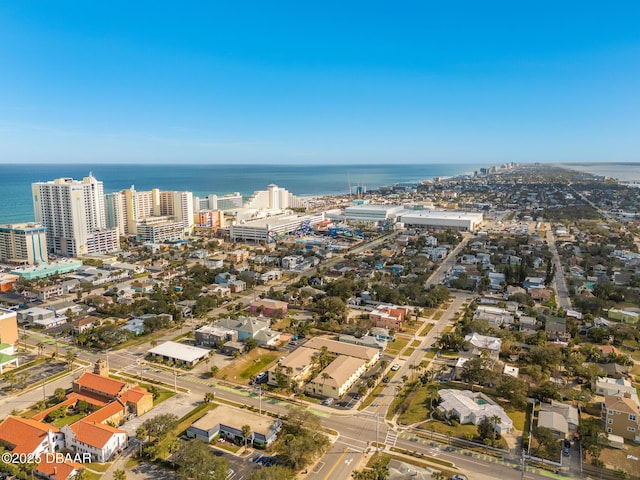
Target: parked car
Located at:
point(328, 401)
point(566, 452)
point(395, 367)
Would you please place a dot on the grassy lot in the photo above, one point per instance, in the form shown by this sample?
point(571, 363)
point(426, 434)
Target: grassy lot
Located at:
point(428, 312)
point(418, 410)
point(438, 315)
point(415, 343)
point(183, 423)
point(409, 351)
point(91, 475)
point(431, 353)
point(425, 330)
point(412, 327)
point(139, 340)
point(248, 365)
point(229, 447)
point(518, 417)
point(164, 394)
point(68, 419)
point(393, 348)
point(458, 431)
point(617, 459)
point(98, 467)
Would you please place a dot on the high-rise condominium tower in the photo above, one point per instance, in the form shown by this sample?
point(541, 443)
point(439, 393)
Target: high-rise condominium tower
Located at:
point(73, 213)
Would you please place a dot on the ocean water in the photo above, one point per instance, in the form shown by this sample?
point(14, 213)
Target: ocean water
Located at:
point(627, 172)
point(15, 180)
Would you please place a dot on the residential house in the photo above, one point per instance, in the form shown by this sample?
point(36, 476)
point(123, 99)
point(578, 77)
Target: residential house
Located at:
point(237, 286)
point(83, 324)
point(213, 335)
point(556, 329)
point(472, 407)
point(51, 291)
point(621, 416)
point(365, 340)
point(484, 343)
point(268, 307)
point(540, 294)
point(614, 386)
point(560, 418)
point(248, 327)
point(493, 315)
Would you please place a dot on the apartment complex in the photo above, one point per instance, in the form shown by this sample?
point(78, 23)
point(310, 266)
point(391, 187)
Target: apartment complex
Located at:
point(23, 244)
point(73, 214)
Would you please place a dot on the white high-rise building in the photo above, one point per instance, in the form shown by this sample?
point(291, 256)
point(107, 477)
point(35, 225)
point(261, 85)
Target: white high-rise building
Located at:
point(128, 208)
point(274, 198)
point(73, 213)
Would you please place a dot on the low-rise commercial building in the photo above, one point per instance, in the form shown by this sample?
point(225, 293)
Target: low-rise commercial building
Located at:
point(227, 422)
point(179, 352)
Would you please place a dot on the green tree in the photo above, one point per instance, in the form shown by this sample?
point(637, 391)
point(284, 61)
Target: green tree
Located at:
point(378, 471)
point(274, 472)
point(119, 475)
point(196, 461)
point(59, 394)
point(209, 397)
point(158, 426)
point(250, 344)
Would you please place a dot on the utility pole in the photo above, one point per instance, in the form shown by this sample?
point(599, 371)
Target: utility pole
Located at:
point(377, 442)
point(175, 379)
point(523, 466)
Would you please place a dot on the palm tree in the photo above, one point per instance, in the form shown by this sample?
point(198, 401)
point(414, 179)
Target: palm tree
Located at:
point(24, 338)
point(120, 474)
point(209, 397)
point(246, 432)
point(69, 358)
point(141, 436)
point(40, 347)
point(81, 474)
point(173, 446)
point(10, 377)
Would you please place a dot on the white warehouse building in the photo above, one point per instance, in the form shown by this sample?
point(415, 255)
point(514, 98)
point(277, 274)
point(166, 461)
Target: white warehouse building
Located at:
point(271, 228)
point(462, 221)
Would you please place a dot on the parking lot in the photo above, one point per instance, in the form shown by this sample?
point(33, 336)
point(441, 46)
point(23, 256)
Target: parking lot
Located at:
point(239, 467)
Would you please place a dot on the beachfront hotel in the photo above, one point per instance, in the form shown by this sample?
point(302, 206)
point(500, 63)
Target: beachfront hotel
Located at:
point(23, 244)
point(73, 213)
point(169, 212)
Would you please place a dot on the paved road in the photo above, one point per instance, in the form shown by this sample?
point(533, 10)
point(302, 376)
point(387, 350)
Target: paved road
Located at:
point(564, 301)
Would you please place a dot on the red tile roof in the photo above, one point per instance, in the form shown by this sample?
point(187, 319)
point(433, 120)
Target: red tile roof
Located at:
point(95, 434)
point(24, 434)
point(135, 394)
point(105, 385)
point(105, 413)
point(59, 471)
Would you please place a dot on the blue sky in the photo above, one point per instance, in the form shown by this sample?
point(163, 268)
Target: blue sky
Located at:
point(319, 82)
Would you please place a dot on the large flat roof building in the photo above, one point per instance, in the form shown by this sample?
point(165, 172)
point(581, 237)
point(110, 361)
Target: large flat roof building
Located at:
point(370, 355)
point(462, 221)
point(228, 422)
point(23, 243)
point(179, 352)
point(271, 228)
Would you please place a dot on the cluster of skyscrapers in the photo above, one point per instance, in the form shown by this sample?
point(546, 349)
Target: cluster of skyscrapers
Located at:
point(75, 217)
